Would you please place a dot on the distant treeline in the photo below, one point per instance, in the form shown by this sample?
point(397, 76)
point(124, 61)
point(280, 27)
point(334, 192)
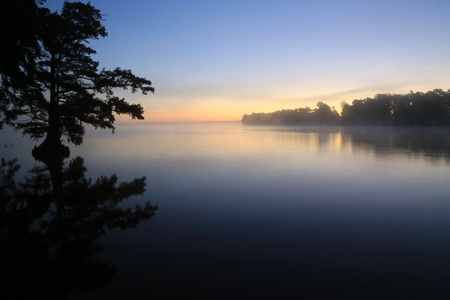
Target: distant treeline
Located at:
point(414, 109)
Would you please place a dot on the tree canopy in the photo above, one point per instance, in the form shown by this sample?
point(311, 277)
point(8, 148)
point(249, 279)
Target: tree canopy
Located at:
point(414, 109)
point(50, 84)
point(322, 115)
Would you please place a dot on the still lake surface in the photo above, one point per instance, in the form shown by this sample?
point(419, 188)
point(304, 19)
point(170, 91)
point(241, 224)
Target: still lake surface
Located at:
point(274, 212)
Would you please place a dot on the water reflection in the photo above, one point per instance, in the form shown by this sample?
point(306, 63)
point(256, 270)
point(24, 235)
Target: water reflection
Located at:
point(432, 143)
point(265, 212)
point(384, 141)
point(51, 223)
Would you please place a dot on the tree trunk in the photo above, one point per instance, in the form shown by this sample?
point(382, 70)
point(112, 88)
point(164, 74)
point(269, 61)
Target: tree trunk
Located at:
point(52, 148)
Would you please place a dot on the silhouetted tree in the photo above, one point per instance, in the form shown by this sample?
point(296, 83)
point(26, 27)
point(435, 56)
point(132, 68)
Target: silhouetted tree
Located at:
point(322, 115)
point(326, 115)
point(355, 114)
point(413, 109)
point(56, 86)
point(20, 32)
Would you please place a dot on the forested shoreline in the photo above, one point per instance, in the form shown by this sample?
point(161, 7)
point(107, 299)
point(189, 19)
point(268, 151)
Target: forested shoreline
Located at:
point(414, 109)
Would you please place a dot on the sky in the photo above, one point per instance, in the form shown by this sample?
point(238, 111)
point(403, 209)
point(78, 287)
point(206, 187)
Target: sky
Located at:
point(217, 60)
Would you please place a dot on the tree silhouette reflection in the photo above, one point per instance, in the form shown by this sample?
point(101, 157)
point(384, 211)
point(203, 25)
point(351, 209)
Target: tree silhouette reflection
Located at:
point(50, 225)
point(431, 143)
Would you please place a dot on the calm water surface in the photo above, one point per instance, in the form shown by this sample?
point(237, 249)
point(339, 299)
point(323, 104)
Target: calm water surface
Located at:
point(275, 212)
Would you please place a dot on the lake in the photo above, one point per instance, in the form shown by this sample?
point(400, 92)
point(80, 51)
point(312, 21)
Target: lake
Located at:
point(272, 212)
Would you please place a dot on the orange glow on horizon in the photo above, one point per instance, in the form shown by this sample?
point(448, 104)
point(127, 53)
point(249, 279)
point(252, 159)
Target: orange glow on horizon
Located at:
point(190, 115)
point(230, 112)
point(162, 108)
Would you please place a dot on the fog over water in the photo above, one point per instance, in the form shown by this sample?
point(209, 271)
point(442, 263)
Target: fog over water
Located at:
point(275, 211)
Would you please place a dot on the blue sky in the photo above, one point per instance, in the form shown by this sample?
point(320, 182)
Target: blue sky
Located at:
point(217, 60)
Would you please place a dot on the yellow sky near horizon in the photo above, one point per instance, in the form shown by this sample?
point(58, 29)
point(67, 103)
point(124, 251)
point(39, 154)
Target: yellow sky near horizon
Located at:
point(185, 108)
